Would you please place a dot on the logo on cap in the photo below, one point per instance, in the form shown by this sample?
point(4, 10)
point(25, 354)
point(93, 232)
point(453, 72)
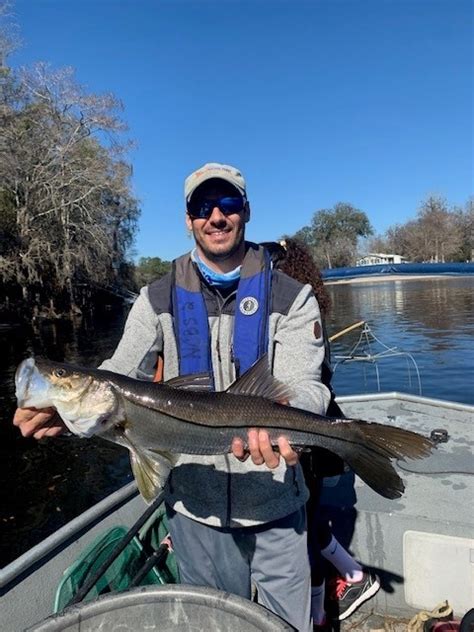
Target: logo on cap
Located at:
point(248, 305)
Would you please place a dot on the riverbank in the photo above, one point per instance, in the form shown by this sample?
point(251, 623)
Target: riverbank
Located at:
point(399, 271)
point(389, 277)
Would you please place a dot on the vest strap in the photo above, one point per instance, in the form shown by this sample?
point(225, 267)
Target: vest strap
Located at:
point(252, 315)
point(250, 336)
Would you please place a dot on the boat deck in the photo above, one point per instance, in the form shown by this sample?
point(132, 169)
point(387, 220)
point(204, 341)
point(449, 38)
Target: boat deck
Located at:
point(421, 544)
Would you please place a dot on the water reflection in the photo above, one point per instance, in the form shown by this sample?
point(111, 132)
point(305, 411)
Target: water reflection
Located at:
point(46, 484)
point(432, 319)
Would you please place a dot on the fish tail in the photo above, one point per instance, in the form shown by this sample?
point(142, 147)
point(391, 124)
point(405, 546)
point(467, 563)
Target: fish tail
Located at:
point(377, 472)
point(392, 441)
point(375, 445)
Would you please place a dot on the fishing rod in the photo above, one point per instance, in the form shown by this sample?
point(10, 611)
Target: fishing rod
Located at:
point(128, 537)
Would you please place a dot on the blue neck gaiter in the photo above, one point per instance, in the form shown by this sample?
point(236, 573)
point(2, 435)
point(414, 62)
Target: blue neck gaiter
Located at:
point(217, 279)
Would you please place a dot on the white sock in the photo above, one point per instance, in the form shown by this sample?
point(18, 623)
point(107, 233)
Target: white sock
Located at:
point(347, 566)
point(317, 604)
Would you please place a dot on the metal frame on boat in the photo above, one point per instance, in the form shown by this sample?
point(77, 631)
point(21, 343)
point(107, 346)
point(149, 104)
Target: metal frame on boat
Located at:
point(369, 349)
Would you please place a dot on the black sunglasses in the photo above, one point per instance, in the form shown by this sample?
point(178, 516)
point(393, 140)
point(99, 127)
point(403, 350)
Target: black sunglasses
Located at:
point(202, 208)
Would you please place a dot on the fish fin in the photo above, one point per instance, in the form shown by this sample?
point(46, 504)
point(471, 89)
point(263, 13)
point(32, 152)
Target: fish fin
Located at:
point(150, 467)
point(151, 470)
point(259, 381)
point(191, 382)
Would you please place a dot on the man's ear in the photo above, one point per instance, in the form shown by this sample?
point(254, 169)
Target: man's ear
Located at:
point(246, 212)
point(189, 222)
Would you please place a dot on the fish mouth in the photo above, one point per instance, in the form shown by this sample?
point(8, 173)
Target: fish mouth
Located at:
point(31, 387)
point(23, 376)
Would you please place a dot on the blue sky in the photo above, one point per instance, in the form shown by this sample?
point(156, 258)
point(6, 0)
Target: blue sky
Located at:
point(316, 101)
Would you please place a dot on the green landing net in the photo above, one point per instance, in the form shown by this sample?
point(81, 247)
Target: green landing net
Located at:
point(118, 577)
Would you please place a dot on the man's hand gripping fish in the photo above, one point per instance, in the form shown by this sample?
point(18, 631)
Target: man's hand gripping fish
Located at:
point(158, 422)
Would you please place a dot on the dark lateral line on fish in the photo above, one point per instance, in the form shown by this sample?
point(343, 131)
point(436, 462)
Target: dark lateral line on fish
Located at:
point(374, 449)
point(281, 431)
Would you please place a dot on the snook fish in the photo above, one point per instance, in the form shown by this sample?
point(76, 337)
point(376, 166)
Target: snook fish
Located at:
point(158, 422)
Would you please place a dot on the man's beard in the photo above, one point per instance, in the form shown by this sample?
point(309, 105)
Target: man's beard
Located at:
point(224, 255)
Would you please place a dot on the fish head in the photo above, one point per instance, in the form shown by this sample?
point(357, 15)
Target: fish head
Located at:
point(86, 402)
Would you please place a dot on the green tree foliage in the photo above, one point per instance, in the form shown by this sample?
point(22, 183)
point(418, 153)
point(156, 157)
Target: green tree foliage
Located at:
point(67, 214)
point(150, 269)
point(334, 233)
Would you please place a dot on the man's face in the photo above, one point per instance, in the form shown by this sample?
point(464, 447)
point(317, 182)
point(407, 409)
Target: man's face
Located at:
point(219, 237)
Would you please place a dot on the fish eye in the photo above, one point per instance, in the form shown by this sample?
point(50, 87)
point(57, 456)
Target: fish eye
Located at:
point(59, 372)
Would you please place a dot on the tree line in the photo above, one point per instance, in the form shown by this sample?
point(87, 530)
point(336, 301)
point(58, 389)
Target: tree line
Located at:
point(338, 236)
point(439, 233)
point(67, 212)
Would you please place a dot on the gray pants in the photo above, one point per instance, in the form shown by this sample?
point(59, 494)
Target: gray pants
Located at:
point(274, 556)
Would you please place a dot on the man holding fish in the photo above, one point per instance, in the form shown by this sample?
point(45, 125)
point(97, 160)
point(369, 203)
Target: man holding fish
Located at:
point(222, 311)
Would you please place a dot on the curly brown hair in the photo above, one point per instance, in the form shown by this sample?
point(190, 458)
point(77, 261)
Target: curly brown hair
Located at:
point(293, 258)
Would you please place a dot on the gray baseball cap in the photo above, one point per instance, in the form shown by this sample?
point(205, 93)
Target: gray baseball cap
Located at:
point(214, 170)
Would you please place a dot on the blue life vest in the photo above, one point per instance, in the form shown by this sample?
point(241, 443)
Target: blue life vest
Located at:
point(252, 308)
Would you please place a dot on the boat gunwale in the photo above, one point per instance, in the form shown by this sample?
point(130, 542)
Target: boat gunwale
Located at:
point(69, 531)
point(407, 397)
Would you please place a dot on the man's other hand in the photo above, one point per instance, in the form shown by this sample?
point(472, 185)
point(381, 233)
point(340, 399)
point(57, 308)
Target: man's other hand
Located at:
point(38, 423)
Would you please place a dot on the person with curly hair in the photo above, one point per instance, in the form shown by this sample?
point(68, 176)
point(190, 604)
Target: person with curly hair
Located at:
point(354, 585)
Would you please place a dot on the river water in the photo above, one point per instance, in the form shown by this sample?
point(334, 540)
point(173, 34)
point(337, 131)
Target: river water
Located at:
point(432, 319)
point(44, 484)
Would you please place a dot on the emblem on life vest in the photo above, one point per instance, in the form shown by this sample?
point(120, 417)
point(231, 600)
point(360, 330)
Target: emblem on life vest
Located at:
point(248, 305)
